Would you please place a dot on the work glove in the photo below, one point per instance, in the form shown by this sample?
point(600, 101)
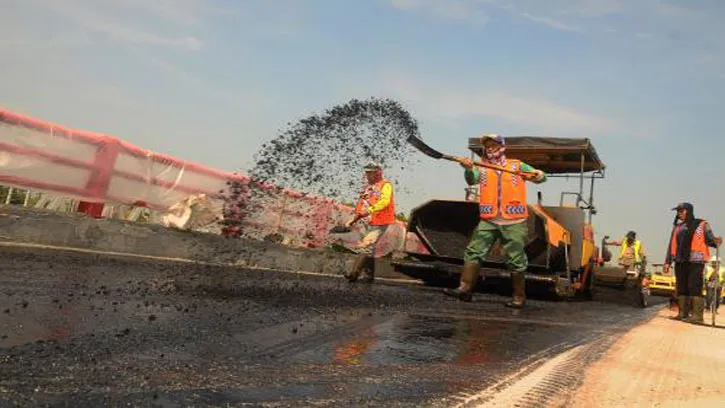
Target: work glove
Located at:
point(465, 163)
point(538, 176)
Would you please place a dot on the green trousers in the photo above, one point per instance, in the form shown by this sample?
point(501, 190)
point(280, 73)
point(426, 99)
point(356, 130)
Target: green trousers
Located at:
point(513, 237)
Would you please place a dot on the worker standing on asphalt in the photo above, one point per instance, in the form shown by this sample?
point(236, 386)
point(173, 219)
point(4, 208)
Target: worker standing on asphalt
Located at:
point(503, 212)
point(688, 249)
point(714, 278)
point(378, 203)
point(632, 253)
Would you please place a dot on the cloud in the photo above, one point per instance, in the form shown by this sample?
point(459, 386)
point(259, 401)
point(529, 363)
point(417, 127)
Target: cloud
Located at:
point(185, 12)
point(688, 31)
point(160, 23)
point(550, 22)
point(460, 10)
point(455, 103)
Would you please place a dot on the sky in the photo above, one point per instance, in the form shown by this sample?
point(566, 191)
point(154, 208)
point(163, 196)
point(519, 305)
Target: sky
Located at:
point(210, 81)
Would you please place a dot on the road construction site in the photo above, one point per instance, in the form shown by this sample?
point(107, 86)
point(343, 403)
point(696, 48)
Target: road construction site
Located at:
point(104, 312)
point(111, 313)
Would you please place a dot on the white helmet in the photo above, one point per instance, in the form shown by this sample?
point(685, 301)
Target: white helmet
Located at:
point(373, 166)
point(714, 259)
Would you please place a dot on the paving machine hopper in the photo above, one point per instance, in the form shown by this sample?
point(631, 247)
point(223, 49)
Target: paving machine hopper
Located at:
point(560, 247)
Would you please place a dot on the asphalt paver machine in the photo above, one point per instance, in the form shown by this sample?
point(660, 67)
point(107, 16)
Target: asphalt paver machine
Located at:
point(561, 249)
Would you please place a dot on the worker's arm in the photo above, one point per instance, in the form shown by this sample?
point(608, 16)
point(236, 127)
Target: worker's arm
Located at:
point(710, 238)
point(668, 260)
point(385, 196)
point(359, 207)
point(472, 176)
point(614, 243)
point(472, 173)
point(539, 176)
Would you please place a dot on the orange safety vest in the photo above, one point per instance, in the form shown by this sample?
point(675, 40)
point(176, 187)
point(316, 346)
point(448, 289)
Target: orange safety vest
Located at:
point(699, 251)
point(502, 196)
point(385, 216)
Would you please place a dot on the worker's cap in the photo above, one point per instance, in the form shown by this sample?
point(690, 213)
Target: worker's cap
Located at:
point(373, 166)
point(493, 136)
point(631, 234)
point(683, 206)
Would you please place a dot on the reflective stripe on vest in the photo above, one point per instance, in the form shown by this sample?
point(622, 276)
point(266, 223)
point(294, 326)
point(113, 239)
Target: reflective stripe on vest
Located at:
point(502, 196)
point(387, 215)
point(699, 251)
point(625, 245)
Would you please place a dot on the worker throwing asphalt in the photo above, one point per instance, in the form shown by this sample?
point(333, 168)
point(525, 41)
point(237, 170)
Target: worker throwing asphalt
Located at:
point(503, 212)
point(378, 204)
point(632, 252)
point(689, 246)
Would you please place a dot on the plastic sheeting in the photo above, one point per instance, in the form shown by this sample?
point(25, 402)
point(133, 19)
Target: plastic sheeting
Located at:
point(94, 167)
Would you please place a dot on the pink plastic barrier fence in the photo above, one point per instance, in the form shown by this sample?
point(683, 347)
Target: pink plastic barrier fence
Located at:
point(98, 168)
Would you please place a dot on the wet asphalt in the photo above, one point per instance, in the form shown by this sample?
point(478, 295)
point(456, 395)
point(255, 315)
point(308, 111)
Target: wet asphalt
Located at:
point(83, 330)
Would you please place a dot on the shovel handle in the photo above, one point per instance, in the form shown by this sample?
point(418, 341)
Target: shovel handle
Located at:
point(494, 167)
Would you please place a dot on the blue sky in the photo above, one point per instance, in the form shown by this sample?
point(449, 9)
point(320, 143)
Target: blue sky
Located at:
point(211, 80)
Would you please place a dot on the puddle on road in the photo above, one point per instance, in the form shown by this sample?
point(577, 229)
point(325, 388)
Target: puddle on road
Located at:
point(416, 339)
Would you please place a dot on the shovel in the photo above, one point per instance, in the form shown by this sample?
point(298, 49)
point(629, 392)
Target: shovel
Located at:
point(430, 152)
point(340, 229)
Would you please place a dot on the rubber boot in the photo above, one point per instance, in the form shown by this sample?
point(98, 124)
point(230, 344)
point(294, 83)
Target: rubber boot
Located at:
point(518, 282)
point(681, 308)
point(469, 278)
point(698, 307)
point(686, 308)
point(354, 273)
point(368, 270)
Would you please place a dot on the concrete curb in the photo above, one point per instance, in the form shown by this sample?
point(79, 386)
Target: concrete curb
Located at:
point(73, 230)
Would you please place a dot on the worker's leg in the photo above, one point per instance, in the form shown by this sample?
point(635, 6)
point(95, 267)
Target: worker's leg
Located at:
point(367, 274)
point(514, 242)
point(368, 271)
point(681, 279)
point(365, 251)
point(484, 236)
point(360, 262)
point(695, 288)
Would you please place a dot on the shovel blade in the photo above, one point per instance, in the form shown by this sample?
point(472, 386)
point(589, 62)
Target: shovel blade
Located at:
point(339, 229)
point(424, 148)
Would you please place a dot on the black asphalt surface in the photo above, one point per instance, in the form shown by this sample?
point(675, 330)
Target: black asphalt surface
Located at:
point(82, 330)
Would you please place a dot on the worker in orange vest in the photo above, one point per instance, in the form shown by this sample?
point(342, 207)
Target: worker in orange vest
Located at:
point(503, 212)
point(378, 204)
point(689, 250)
